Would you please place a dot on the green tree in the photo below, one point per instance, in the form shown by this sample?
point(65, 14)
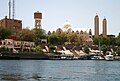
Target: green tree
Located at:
point(62, 37)
point(4, 33)
point(86, 49)
point(118, 51)
point(102, 40)
point(96, 40)
point(37, 49)
point(39, 33)
point(112, 41)
point(72, 37)
point(26, 35)
point(105, 41)
point(52, 48)
point(104, 49)
point(53, 39)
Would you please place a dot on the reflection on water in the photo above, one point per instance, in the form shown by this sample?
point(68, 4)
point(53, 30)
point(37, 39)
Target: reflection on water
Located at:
point(57, 70)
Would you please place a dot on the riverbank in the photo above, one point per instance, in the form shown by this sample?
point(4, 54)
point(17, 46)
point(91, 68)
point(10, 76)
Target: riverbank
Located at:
point(44, 56)
point(18, 56)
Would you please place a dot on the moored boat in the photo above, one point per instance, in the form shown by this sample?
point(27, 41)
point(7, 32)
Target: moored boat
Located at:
point(109, 57)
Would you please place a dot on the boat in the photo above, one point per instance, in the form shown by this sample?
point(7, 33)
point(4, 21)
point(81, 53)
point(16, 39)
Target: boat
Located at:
point(97, 57)
point(109, 57)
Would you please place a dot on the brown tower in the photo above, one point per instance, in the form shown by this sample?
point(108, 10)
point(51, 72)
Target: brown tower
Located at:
point(38, 18)
point(96, 24)
point(104, 27)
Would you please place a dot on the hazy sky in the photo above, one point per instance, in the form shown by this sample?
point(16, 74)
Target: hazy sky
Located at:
point(80, 13)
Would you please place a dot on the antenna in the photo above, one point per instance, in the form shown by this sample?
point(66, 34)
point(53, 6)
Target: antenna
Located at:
point(9, 9)
point(13, 9)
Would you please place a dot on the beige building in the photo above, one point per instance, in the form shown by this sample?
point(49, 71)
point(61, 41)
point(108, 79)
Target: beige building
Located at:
point(16, 45)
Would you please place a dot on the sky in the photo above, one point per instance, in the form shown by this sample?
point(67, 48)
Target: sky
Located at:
point(80, 13)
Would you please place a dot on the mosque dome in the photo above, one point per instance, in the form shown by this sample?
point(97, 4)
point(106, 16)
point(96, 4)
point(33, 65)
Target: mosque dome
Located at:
point(66, 25)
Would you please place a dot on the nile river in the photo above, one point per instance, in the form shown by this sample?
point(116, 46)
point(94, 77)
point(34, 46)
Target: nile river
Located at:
point(59, 70)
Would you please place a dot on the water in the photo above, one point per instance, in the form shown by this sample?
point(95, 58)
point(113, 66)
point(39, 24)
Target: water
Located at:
point(59, 70)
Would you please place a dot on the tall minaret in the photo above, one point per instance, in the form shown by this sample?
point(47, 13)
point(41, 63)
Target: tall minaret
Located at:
point(96, 24)
point(38, 18)
point(104, 27)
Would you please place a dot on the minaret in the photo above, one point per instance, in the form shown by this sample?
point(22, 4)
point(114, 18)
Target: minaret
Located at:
point(90, 33)
point(96, 24)
point(104, 27)
point(38, 18)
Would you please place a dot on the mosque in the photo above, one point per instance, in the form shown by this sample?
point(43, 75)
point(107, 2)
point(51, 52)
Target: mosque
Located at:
point(85, 34)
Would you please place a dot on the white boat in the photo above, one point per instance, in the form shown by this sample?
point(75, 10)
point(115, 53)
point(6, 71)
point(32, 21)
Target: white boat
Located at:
point(97, 57)
point(109, 57)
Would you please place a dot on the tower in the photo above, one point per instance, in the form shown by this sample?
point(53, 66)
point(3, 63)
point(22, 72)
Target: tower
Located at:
point(38, 18)
point(9, 9)
point(96, 24)
point(90, 33)
point(13, 13)
point(104, 27)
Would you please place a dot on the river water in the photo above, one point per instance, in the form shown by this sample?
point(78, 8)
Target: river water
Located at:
point(59, 70)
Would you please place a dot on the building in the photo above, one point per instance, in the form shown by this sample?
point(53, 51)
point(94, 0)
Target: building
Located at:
point(96, 24)
point(14, 25)
point(38, 18)
point(17, 46)
point(104, 27)
point(85, 34)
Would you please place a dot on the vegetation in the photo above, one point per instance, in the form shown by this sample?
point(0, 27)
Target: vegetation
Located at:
point(101, 40)
point(4, 33)
point(52, 48)
point(33, 35)
point(86, 49)
point(26, 35)
point(5, 50)
point(37, 49)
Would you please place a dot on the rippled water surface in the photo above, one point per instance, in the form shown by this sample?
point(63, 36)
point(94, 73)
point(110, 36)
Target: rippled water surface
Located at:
point(59, 70)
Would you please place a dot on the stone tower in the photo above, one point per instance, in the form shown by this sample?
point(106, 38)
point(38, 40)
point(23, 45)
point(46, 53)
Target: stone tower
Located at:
point(96, 25)
point(104, 27)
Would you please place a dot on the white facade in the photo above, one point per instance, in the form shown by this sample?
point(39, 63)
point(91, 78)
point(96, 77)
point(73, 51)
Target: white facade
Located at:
point(12, 44)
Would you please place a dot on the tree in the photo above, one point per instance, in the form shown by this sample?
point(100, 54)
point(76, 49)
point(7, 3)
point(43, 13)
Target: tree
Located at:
point(112, 41)
point(105, 41)
point(53, 39)
point(37, 49)
point(4, 33)
point(96, 40)
point(62, 37)
point(52, 48)
point(39, 33)
point(86, 50)
point(104, 49)
point(118, 51)
point(102, 40)
point(26, 35)
point(72, 37)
